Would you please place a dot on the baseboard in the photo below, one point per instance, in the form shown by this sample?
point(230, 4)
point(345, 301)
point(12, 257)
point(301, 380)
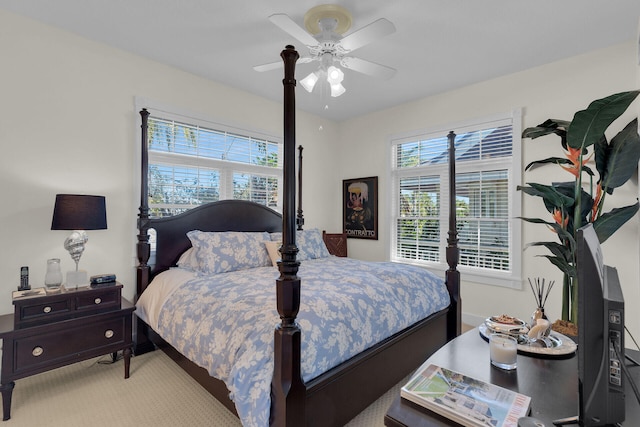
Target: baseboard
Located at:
point(472, 319)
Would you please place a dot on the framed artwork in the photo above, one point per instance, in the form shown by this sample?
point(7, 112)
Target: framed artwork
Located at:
point(360, 207)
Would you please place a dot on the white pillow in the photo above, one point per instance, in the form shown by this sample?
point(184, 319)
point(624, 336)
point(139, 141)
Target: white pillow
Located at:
point(272, 248)
point(188, 260)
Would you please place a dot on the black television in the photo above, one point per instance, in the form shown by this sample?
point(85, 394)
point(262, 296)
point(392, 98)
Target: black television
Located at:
point(600, 335)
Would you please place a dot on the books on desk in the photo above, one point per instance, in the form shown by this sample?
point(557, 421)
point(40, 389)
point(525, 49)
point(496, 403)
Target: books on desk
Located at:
point(465, 400)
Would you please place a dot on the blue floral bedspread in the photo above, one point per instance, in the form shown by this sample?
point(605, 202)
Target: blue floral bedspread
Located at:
point(225, 322)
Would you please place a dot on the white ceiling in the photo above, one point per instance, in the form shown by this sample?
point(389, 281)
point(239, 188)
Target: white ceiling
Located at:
point(439, 45)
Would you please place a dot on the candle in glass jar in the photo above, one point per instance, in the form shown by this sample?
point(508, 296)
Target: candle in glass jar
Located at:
point(503, 351)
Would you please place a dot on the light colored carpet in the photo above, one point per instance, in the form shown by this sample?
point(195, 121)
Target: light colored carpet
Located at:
point(158, 393)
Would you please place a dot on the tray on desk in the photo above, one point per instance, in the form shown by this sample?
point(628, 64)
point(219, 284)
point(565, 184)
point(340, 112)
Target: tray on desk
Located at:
point(562, 346)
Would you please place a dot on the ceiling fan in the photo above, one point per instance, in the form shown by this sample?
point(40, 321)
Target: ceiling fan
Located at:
point(325, 25)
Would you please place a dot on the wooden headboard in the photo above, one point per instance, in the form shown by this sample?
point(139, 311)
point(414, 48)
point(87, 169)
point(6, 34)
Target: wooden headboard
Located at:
point(224, 215)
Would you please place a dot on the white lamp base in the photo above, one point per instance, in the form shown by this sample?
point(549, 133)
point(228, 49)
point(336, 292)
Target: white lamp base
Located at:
point(77, 279)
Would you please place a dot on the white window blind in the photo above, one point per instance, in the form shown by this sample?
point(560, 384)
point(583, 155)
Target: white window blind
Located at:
point(487, 173)
point(418, 223)
point(191, 164)
point(483, 219)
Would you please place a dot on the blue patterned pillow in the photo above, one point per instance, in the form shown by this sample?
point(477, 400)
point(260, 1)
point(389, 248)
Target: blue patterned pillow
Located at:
point(309, 242)
point(221, 252)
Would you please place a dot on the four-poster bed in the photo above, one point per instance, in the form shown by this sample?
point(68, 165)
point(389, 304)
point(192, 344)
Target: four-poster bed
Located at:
point(328, 398)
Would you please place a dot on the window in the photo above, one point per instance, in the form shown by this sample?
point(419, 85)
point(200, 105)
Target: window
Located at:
point(194, 161)
point(488, 170)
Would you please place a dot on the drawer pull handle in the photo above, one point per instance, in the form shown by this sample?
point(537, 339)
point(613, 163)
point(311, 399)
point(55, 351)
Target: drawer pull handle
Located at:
point(47, 309)
point(97, 300)
point(108, 333)
point(37, 351)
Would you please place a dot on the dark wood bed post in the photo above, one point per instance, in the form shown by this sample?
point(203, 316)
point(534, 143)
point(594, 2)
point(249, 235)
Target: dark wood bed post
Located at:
point(142, 343)
point(300, 217)
point(452, 276)
point(287, 387)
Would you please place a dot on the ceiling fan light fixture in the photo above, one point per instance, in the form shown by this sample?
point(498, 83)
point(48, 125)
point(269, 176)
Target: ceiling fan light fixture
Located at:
point(334, 75)
point(337, 90)
point(309, 82)
point(322, 34)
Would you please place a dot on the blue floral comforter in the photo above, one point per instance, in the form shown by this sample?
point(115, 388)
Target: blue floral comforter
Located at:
point(225, 322)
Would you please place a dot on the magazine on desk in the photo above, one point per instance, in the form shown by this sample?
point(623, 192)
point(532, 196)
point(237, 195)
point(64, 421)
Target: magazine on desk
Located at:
point(468, 401)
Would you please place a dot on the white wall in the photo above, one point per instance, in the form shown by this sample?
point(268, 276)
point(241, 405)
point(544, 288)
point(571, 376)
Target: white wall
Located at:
point(555, 90)
point(68, 125)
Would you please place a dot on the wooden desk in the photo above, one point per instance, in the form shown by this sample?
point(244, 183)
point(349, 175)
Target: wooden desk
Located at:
point(551, 383)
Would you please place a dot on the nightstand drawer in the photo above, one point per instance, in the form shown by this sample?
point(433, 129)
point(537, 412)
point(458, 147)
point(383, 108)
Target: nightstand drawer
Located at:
point(46, 309)
point(108, 298)
point(73, 340)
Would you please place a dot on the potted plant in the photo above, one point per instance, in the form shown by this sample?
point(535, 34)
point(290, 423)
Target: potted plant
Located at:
point(572, 204)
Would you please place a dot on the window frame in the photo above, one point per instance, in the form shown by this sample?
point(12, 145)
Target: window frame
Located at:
point(513, 165)
point(226, 169)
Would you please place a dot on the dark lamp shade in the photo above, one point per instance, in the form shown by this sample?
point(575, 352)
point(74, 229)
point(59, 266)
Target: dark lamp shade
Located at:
point(79, 212)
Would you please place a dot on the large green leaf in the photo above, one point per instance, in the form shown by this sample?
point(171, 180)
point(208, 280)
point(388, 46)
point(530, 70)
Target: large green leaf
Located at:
point(536, 221)
point(588, 126)
point(601, 151)
point(553, 225)
point(559, 250)
point(559, 127)
point(554, 160)
point(564, 236)
point(565, 267)
point(622, 157)
point(608, 223)
point(552, 198)
point(568, 189)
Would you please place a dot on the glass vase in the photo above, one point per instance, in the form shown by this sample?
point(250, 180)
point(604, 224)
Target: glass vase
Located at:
point(53, 276)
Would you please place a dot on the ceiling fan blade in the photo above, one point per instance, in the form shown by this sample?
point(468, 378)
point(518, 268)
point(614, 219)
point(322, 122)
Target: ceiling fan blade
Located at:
point(365, 35)
point(367, 67)
point(289, 26)
point(268, 67)
point(306, 59)
point(275, 65)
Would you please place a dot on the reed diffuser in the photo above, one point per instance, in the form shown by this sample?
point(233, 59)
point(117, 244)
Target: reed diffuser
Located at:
point(540, 293)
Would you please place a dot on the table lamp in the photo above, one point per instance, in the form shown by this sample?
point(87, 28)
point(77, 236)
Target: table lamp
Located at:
point(78, 213)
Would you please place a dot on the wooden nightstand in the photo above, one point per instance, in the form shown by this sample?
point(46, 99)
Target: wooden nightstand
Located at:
point(55, 330)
